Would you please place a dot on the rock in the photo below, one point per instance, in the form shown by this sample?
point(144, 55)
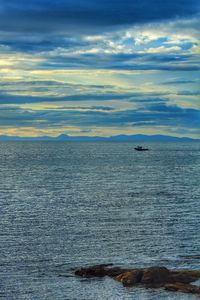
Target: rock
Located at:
point(149, 277)
point(130, 278)
point(114, 272)
point(92, 271)
point(100, 271)
point(183, 278)
point(182, 287)
point(187, 273)
point(155, 276)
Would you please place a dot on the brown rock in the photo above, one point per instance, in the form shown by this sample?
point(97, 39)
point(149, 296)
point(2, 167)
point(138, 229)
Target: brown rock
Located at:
point(183, 287)
point(155, 276)
point(150, 277)
point(193, 274)
point(130, 278)
point(183, 278)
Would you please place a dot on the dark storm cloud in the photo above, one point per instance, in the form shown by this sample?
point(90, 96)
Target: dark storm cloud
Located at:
point(189, 93)
point(51, 84)
point(158, 115)
point(96, 108)
point(40, 44)
point(155, 67)
point(87, 15)
point(100, 59)
point(21, 99)
point(14, 116)
point(123, 61)
point(178, 81)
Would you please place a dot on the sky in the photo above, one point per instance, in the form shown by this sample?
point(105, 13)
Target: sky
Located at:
point(99, 67)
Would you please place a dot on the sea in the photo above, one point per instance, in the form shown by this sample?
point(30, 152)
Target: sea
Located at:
point(65, 205)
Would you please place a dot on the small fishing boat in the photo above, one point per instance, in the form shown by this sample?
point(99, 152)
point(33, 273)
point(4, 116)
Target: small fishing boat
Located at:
point(140, 148)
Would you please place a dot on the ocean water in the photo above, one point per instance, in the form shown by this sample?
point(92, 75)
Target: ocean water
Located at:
point(64, 205)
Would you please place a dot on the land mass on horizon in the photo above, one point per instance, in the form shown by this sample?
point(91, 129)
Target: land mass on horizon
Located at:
point(119, 138)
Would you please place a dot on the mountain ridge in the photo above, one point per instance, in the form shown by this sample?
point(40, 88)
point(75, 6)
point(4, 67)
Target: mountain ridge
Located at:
point(121, 137)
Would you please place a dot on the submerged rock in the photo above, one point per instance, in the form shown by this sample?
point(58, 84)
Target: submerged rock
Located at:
point(100, 271)
point(155, 277)
point(183, 287)
point(184, 277)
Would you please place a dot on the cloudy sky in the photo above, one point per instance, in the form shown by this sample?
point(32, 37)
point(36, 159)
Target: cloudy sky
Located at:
point(99, 67)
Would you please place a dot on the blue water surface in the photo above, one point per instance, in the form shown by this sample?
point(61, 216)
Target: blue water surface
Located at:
point(68, 204)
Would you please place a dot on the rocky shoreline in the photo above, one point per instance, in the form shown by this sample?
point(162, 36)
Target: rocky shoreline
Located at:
point(152, 277)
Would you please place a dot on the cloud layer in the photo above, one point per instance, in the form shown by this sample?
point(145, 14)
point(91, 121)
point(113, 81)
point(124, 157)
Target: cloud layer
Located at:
point(101, 67)
point(88, 15)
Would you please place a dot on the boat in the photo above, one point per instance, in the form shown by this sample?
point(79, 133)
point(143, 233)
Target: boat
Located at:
point(140, 148)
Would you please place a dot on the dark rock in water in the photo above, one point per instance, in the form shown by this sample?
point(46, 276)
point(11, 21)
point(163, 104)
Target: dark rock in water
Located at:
point(147, 277)
point(113, 272)
point(183, 287)
point(130, 278)
point(184, 277)
point(155, 275)
point(100, 271)
point(93, 271)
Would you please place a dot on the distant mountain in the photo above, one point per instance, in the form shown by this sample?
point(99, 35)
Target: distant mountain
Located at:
point(119, 138)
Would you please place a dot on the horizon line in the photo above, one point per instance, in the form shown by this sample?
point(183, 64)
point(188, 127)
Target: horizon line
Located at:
point(119, 137)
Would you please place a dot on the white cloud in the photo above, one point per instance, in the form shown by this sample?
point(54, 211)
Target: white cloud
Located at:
point(163, 49)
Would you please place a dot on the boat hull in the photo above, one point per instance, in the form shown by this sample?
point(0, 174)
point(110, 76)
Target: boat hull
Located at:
point(141, 149)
